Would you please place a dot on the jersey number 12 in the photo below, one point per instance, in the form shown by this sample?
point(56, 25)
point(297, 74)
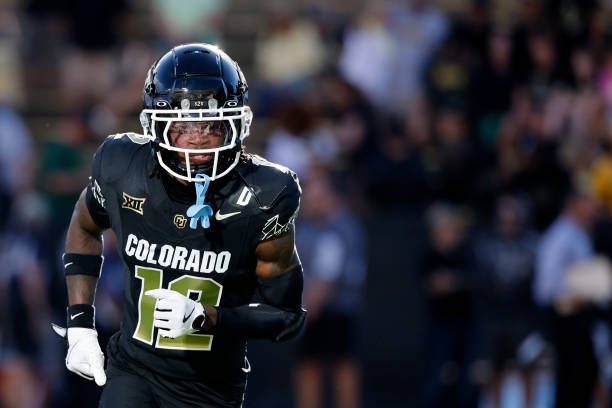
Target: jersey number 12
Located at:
point(208, 292)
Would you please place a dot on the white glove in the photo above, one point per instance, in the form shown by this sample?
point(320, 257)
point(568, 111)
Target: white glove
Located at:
point(84, 356)
point(174, 313)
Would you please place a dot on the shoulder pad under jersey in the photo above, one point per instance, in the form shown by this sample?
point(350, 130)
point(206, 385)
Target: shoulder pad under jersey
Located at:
point(269, 182)
point(115, 155)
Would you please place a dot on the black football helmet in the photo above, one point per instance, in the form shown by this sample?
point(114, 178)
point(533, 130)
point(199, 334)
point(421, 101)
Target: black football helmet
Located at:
point(196, 83)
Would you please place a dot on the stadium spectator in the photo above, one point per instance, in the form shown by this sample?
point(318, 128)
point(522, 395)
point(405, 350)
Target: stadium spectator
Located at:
point(332, 242)
point(287, 53)
point(289, 142)
point(449, 286)
point(566, 244)
point(354, 124)
point(93, 32)
point(28, 356)
point(546, 71)
point(529, 160)
point(193, 21)
point(63, 169)
point(417, 28)
point(448, 76)
point(457, 158)
point(487, 108)
point(17, 164)
point(368, 48)
point(505, 257)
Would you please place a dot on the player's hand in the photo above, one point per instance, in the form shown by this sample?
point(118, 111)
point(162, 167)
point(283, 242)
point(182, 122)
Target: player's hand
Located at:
point(174, 313)
point(84, 356)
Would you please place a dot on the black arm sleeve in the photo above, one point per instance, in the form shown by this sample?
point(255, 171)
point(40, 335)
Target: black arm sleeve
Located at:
point(278, 317)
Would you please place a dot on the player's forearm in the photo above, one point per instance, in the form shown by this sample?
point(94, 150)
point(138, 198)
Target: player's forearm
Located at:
point(83, 256)
point(81, 289)
point(260, 321)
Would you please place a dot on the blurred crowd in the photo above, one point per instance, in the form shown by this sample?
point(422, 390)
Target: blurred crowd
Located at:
point(489, 122)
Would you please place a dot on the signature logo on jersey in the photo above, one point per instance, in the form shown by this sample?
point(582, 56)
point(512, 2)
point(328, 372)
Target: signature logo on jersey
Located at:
point(273, 228)
point(133, 203)
point(180, 221)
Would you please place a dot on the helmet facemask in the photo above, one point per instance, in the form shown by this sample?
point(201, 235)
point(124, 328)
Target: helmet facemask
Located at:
point(222, 129)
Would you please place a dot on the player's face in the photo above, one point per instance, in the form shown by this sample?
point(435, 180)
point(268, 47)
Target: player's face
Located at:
point(196, 135)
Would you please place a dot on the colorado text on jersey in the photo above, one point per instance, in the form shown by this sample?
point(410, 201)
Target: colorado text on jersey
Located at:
point(177, 257)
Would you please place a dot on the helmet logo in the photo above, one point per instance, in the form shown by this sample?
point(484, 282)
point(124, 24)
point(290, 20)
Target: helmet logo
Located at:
point(185, 104)
point(232, 104)
point(161, 104)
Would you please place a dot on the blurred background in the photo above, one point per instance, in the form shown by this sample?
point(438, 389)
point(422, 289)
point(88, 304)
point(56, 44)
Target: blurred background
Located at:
point(456, 162)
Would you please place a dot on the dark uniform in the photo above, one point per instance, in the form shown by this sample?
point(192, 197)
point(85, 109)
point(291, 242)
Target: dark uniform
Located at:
point(146, 208)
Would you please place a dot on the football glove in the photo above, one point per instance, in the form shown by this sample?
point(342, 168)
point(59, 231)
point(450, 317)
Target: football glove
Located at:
point(84, 356)
point(174, 313)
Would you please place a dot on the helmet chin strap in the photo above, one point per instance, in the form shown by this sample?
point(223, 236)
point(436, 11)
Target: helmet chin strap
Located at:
point(200, 211)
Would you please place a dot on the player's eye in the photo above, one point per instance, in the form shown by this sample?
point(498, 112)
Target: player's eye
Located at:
point(197, 127)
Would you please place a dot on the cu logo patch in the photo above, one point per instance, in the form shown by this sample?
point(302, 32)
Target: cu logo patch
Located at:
point(133, 203)
point(180, 221)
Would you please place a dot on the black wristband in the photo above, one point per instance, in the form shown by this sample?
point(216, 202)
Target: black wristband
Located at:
point(79, 264)
point(81, 315)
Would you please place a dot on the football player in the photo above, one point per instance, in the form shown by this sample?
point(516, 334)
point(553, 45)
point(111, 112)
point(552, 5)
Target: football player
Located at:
point(206, 234)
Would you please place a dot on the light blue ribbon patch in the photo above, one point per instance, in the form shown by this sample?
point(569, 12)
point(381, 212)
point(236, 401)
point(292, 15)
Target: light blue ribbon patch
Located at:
point(200, 211)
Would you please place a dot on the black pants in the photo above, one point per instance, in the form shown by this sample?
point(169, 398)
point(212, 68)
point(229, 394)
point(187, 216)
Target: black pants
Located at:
point(124, 389)
point(129, 386)
point(577, 367)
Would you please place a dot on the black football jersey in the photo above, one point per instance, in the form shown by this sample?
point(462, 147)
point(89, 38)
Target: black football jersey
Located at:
point(256, 201)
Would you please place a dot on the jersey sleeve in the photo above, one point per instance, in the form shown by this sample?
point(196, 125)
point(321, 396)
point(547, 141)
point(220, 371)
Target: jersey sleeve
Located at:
point(94, 195)
point(279, 219)
point(110, 164)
